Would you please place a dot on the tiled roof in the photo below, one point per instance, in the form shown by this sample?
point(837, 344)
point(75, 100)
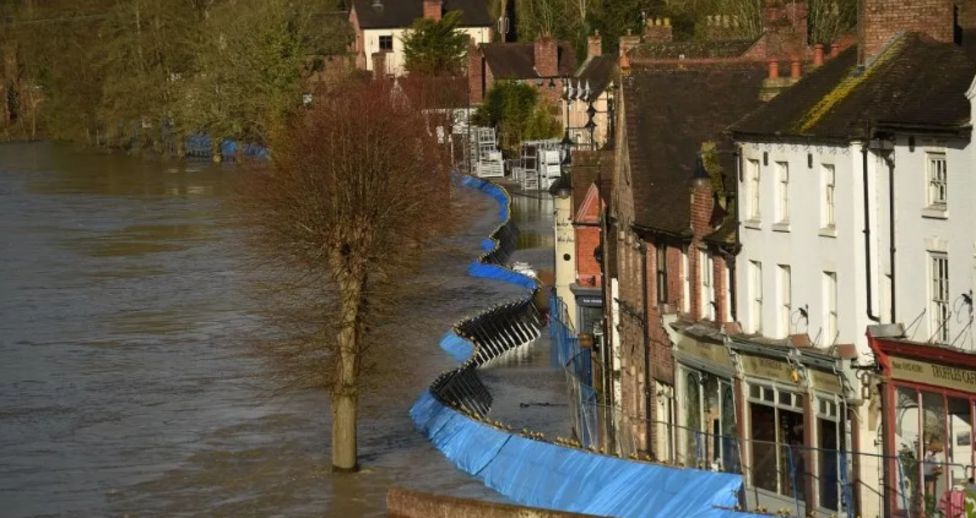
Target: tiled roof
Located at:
point(916, 83)
point(671, 109)
point(598, 71)
point(692, 49)
point(517, 60)
point(402, 13)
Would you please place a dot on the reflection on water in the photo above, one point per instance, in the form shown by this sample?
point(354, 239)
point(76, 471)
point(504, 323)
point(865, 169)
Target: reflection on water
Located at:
point(127, 383)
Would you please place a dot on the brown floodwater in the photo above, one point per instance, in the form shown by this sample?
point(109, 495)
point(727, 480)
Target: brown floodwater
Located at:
point(128, 380)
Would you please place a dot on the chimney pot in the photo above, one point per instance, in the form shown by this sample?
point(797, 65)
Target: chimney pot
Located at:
point(594, 45)
point(834, 49)
point(818, 54)
point(773, 69)
point(795, 69)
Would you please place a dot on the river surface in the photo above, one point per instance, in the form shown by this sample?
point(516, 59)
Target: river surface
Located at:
point(128, 382)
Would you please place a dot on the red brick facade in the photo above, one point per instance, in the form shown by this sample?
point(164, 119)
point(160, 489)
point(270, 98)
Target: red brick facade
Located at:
point(879, 21)
point(433, 9)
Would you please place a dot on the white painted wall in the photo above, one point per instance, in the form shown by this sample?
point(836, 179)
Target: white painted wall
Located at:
point(565, 238)
point(920, 230)
point(802, 244)
point(395, 60)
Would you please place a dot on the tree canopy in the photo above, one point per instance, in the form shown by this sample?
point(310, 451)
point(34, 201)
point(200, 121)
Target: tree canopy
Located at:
point(435, 47)
point(518, 114)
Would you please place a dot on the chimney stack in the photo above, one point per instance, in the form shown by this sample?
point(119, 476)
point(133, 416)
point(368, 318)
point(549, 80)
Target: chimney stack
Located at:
point(546, 53)
point(628, 42)
point(658, 30)
point(785, 26)
point(433, 9)
point(476, 72)
point(879, 21)
point(594, 45)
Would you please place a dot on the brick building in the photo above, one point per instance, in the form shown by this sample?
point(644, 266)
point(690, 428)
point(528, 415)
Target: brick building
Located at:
point(544, 63)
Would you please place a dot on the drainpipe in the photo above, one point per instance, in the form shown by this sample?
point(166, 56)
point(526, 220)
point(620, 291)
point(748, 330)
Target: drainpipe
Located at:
point(867, 231)
point(647, 350)
point(891, 228)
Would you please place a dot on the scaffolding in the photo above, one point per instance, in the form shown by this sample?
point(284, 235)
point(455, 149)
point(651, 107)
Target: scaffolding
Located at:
point(539, 165)
point(487, 161)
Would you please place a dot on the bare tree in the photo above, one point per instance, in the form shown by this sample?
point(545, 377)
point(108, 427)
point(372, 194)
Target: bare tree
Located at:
point(357, 190)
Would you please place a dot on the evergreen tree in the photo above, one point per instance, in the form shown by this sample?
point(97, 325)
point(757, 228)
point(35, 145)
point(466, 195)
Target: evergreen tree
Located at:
point(435, 47)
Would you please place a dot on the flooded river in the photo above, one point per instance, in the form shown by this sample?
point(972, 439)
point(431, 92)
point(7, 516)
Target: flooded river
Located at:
point(126, 381)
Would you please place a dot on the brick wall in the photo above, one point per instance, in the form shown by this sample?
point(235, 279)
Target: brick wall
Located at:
point(967, 13)
point(546, 52)
point(476, 73)
point(433, 9)
point(881, 20)
point(587, 267)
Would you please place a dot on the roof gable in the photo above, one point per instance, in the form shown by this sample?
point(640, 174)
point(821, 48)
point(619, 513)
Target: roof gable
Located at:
point(589, 210)
point(402, 13)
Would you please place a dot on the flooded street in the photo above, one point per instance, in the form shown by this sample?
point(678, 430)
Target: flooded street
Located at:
point(127, 382)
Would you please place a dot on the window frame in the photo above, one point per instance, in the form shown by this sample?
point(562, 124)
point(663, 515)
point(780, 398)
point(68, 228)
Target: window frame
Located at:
point(756, 295)
point(828, 200)
point(939, 296)
point(937, 180)
point(661, 272)
point(381, 39)
point(785, 298)
point(753, 188)
point(783, 193)
point(706, 285)
point(830, 311)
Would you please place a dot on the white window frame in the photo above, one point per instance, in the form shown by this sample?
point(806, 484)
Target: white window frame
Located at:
point(937, 185)
point(706, 286)
point(829, 284)
point(828, 201)
point(685, 281)
point(785, 299)
point(783, 192)
point(753, 189)
point(756, 295)
point(939, 296)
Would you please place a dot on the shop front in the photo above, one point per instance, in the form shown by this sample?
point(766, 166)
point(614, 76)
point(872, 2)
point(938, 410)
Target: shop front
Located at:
point(794, 415)
point(708, 437)
point(928, 397)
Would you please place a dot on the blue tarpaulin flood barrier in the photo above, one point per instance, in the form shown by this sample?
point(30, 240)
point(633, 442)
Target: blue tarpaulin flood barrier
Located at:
point(542, 474)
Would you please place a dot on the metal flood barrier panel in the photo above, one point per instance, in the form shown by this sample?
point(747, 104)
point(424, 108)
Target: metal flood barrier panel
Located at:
point(453, 415)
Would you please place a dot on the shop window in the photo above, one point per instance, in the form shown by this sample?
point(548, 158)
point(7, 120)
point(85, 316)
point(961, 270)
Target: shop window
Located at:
point(933, 459)
point(960, 438)
point(778, 452)
point(830, 441)
point(906, 471)
point(693, 437)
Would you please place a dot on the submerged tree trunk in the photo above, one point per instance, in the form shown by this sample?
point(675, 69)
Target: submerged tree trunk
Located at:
point(345, 391)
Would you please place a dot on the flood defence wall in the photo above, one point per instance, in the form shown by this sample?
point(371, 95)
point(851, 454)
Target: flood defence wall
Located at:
point(521, 465)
